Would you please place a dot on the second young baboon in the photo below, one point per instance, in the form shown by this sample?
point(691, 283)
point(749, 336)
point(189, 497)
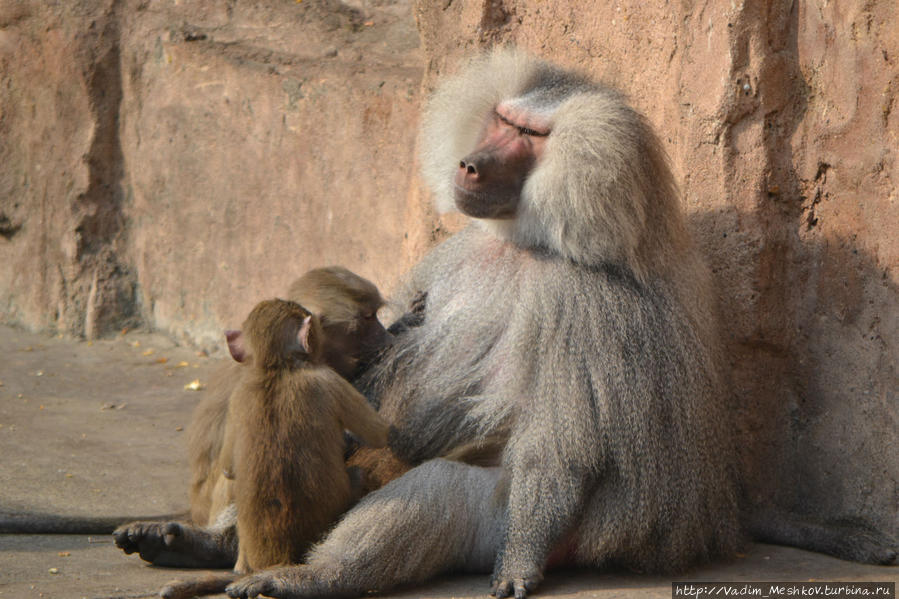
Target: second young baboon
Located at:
point(572, 318)
point(347, 306)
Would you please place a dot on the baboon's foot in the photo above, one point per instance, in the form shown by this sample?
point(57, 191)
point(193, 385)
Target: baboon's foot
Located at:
point(868, 545)
point(292, 582)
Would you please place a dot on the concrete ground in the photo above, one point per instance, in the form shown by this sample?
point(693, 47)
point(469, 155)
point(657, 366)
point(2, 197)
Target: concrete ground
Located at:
point(98, 429)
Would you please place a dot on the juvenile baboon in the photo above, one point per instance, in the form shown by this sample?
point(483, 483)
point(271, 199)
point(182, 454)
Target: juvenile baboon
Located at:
point(286, 422)
point(347, 306)
point(574, 318)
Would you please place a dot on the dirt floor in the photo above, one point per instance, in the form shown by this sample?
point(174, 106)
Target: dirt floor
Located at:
point(98, 429)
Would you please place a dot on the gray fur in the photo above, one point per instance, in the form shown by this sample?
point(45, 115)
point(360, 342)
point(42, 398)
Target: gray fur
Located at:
point(582, 330)
point(430, 530)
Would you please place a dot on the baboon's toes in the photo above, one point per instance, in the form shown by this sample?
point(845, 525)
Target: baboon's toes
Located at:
point(250, 587)
point(137, 537)
point(171, 532)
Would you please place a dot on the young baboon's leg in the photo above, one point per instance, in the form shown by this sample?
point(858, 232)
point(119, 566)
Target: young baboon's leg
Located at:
point(177, 544)
point(441, 516)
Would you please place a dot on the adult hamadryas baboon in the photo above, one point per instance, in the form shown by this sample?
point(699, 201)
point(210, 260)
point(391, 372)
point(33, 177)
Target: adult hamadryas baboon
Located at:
point(573, 318)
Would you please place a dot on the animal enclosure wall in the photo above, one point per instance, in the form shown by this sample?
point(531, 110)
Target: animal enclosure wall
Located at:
point(166, 164)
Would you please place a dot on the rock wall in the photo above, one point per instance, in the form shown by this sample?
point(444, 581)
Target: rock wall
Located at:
point(168, 163)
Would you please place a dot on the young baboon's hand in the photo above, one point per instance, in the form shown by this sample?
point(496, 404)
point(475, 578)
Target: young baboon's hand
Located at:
point(145, 538)
point(175, 544)
point(517, 586)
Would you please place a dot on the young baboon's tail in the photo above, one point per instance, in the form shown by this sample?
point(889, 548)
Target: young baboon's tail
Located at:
point(851, 539)
point(210, 585)
point(39, 523)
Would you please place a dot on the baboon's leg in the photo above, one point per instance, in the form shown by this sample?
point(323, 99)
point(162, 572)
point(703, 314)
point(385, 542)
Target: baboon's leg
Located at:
point(848, 538)
point(441, 516)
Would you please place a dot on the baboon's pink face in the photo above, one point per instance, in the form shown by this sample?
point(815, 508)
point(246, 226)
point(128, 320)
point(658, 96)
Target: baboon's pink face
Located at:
point(489, 181)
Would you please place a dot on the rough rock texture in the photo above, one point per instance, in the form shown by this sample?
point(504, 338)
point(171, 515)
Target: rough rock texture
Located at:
point(262, 139)
point(62, 229)
point(169, 163)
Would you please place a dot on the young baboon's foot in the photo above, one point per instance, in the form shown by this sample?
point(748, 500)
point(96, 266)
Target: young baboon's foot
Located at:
point(145, 538)
point(517, 586)
point(175, 544)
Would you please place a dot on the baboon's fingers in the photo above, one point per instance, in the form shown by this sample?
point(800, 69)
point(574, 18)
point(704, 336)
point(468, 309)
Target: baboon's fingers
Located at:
point(144, 538)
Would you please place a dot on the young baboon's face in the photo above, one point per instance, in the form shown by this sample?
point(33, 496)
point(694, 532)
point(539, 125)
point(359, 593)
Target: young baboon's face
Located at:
point(349, 347)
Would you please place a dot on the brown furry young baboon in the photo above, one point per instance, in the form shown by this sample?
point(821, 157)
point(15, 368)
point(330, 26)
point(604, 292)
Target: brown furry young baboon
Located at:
point(347, 306)
point(285, 435)
point(574, 319)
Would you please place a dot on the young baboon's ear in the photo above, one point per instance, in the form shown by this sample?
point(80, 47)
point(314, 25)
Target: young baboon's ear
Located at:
point(303, 335)
point(236, 345)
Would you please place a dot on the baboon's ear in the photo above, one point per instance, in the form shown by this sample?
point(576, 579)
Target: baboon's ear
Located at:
point(236, 345)
point(303, 335)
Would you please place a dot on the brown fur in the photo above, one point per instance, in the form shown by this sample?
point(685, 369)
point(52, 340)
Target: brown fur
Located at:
point(377, 467)
point(209, 490)
point(288, 416)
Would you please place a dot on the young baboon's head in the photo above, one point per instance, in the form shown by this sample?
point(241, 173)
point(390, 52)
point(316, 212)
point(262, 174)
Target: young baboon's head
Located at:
point(277, 334)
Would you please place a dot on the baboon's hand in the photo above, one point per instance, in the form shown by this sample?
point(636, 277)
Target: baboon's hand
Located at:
point(517, 586)
point(145, 538)
point(175, 544)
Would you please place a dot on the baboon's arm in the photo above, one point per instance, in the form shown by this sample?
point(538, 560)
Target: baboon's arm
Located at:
point(355, 413)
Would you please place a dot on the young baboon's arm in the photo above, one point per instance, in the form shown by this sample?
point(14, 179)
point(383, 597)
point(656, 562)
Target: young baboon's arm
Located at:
point(354, 411)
